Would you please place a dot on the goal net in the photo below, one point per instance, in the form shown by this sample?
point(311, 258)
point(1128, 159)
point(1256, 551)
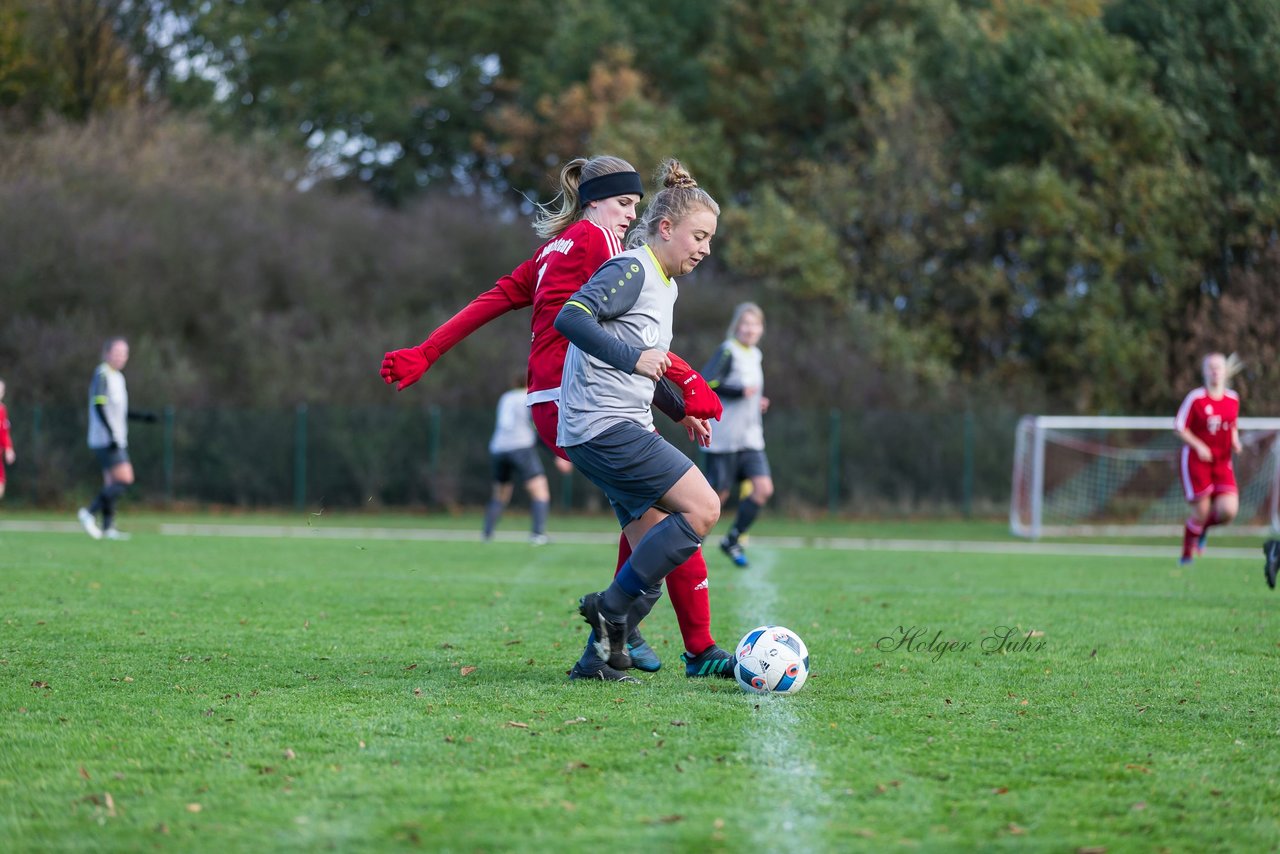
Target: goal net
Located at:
point(1121, 476)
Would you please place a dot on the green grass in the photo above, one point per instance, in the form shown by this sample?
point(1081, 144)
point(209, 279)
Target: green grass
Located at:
point(321, 694)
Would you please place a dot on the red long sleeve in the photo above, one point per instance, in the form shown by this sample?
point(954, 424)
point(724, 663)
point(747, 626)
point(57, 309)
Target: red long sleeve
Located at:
point(508, 295)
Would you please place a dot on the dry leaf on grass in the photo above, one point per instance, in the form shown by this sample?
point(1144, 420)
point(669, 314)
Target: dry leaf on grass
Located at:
point(467, 671)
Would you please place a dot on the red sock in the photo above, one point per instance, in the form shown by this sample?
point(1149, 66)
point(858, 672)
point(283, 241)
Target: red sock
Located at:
point(1212, 520)
point(1190, 535)
point(687, 587)
point(624, 552)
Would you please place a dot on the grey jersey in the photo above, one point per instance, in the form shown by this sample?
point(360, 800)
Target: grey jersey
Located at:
point(514, 427)
point(735, 369)
point(107, 388)
point(633, 301)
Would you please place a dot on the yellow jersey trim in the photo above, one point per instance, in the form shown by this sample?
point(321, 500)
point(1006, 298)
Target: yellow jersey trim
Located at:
point(657, 266)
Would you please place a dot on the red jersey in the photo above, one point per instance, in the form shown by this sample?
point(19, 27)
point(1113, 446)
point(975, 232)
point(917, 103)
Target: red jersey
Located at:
point(546, 281)
point(6, 439)
point(1211, 421)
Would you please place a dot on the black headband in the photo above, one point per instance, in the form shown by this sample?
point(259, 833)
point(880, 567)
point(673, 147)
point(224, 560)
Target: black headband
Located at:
point(608, 186)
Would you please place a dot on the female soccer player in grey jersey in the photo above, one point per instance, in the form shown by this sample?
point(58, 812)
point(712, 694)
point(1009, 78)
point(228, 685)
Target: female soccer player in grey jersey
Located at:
point(619, 328)
point(736, 453)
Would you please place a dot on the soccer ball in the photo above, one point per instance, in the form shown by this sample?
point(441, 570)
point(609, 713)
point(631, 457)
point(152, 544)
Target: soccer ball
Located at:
point(771, 660)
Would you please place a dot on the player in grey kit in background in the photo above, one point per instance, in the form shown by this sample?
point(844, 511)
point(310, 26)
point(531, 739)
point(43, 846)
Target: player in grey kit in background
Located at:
point(513, 451)
point(736, 452)
point(109, 414)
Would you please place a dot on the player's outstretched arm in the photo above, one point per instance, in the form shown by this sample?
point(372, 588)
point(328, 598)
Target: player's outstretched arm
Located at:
point(408, 365)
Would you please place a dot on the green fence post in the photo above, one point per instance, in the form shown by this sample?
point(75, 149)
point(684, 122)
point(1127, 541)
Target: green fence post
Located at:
point(966, 483)
point(168, 454)
point(35, 454)
point(833, 464)
point(433, 438)
point(300, 458)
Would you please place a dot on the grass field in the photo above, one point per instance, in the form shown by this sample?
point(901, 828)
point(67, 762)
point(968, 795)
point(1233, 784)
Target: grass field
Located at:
point(233, 694)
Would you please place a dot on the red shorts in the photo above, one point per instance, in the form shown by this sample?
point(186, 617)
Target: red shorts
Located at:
point(546, 420)
point(1200, 478)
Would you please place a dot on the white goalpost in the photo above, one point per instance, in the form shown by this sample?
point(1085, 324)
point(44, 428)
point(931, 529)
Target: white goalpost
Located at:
point(1120, 475)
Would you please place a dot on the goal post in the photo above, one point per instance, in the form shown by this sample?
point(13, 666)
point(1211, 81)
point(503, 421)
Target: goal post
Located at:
point(1120, 475)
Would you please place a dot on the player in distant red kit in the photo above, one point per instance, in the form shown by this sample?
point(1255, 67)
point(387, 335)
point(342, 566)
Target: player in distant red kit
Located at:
point(1207, 424)
point(598, 200)
point(6, 440)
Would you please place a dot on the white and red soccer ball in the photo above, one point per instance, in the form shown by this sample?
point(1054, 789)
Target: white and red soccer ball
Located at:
point(771, 660)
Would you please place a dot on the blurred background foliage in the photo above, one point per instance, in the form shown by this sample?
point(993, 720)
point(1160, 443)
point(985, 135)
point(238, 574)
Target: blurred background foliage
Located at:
point(1052, 205)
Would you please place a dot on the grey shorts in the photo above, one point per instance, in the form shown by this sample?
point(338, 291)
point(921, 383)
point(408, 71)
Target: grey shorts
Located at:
point(109, 458)
point(726, 470)
point(522, 460)
point(635, 467)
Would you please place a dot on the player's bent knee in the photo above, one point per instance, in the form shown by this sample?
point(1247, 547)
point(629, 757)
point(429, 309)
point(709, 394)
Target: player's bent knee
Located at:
point(705, 513)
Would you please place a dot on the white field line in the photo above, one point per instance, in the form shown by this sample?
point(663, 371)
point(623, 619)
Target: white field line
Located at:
point(791, 797)
point(857, 544)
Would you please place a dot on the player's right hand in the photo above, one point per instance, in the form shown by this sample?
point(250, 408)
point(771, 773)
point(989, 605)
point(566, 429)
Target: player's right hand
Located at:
point(1205, 455)
point(407, 366)
point(652, 364)
point(699, 430)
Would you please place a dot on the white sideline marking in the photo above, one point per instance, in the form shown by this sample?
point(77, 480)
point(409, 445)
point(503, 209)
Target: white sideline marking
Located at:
point(856, 544)
point(791, 797)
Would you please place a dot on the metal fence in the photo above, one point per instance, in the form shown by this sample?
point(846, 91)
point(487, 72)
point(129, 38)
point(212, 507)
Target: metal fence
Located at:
point(835, 461)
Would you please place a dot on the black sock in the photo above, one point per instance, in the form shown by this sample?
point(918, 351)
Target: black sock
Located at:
point(540, 517)
point(109, 497)
point(747, 512)
point(642, 606)
point(492, 511)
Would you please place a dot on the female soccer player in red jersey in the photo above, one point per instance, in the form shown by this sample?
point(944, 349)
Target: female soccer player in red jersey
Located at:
point(6, 440)
point(1207, 425)
point(598, 200)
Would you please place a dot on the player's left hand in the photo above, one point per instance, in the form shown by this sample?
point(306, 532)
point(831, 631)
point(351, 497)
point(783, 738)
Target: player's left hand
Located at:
point(699, 430)
point(764, 404)
point(9, 456)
